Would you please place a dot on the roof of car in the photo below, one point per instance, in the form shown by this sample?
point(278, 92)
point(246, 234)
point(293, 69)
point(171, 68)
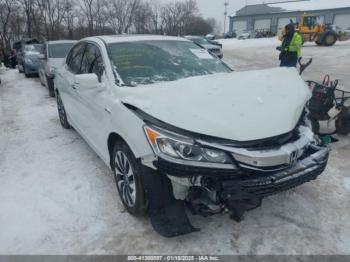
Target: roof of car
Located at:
point(110, 39)
point(61, 42)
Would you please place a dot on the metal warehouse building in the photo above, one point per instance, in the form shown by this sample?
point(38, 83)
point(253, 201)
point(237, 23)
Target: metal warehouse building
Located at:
point(275, 16)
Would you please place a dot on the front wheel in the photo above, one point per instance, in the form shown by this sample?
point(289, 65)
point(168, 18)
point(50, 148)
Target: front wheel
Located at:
point(127, 174)
point(329, 39)
point(50, 86)
point(62, 113)
point(25, 72)
point(342, 123)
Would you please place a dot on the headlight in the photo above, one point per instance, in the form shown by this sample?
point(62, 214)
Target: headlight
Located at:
point(167, 145)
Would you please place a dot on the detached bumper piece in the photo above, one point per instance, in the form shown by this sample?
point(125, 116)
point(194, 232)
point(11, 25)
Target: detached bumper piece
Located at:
point(171, 220)
point(168, 215)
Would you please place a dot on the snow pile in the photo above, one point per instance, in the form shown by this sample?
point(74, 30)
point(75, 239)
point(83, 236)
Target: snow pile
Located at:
point(311, 5)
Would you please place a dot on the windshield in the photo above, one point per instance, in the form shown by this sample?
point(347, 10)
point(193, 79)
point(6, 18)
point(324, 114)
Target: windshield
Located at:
point(33, 48)
point(148, 62)
point(59, 50)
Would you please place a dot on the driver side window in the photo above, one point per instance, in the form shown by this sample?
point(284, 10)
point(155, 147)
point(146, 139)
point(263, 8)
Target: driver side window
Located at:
point(92, 60)
point(75, 58)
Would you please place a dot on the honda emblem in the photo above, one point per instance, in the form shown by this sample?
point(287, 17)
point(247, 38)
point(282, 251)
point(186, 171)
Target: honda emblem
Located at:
point(293, 158)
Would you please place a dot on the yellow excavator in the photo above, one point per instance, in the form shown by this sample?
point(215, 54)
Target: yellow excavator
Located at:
point(312, 30)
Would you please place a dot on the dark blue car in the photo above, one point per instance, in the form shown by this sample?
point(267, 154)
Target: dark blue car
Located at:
point(29, 59)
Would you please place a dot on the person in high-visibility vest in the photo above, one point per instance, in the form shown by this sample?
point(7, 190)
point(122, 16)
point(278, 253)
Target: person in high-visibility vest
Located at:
point(291, 47)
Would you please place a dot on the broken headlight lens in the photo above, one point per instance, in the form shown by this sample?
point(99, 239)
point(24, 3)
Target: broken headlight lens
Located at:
point(168, 144)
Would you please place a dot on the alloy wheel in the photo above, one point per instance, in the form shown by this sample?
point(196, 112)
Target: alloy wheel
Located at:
point(125, 179)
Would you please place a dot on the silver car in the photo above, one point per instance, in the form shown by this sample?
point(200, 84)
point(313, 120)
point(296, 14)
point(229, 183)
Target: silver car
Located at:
point(214, 49)
point(54, 55)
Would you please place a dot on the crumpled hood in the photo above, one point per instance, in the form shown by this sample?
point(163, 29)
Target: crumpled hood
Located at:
point(241, 106)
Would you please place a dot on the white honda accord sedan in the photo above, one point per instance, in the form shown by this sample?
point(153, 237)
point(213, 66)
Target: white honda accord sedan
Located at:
point(182, 131)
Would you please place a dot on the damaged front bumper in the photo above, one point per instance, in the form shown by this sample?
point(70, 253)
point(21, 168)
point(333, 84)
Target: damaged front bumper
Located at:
point(213, 191)
point(254, 171)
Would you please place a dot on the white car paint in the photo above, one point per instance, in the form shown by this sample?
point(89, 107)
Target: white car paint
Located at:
point(230, 105)
point(48, 64)
point(244, 35)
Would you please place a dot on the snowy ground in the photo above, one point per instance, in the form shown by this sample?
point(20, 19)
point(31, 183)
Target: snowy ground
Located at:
point(58, 197)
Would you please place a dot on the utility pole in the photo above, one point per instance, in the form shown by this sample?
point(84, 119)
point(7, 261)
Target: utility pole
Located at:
point(225, 14)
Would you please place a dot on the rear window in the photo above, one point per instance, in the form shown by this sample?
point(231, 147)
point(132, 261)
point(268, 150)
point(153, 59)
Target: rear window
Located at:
point(59, 50)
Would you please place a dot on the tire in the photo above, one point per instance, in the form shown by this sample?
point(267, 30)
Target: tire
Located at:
point(131, 190)
point(329, 39)
point(25, 73)
point(41, 80)
point(342, 123)
point(50, 86)
point(62, 113)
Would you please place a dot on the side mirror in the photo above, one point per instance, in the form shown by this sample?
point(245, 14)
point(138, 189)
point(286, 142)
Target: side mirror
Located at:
point(86, 81)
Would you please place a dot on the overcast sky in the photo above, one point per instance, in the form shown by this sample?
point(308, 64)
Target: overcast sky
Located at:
point(215, 8)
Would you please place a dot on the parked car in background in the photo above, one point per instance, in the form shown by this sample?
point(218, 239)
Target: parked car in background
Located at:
point(210, 37)
point(29, 59)
point(215, 49)
point(263, 33)
point(230, 35)
point(178, 126)
point(244, 35)
point(54, 55)
point(19, 46)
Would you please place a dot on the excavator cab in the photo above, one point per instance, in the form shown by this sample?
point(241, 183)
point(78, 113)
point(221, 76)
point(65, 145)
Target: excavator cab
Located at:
point(309, 24)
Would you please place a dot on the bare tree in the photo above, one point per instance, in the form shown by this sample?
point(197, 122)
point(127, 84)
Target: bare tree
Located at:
point(88, 8)
point(155, 15)
point(53, 15)
point(101, 14)
point(6, 10)
point(143, 18)
point(68, 17)
point(28, 8)
point(54, 19)
point(121, 14)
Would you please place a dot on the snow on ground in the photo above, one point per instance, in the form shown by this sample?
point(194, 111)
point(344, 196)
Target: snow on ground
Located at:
point(58, 197)
point(234, 43)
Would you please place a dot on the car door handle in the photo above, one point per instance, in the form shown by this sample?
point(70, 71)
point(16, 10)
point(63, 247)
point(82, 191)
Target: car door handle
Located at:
point(75, 86)
point(108, 110)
